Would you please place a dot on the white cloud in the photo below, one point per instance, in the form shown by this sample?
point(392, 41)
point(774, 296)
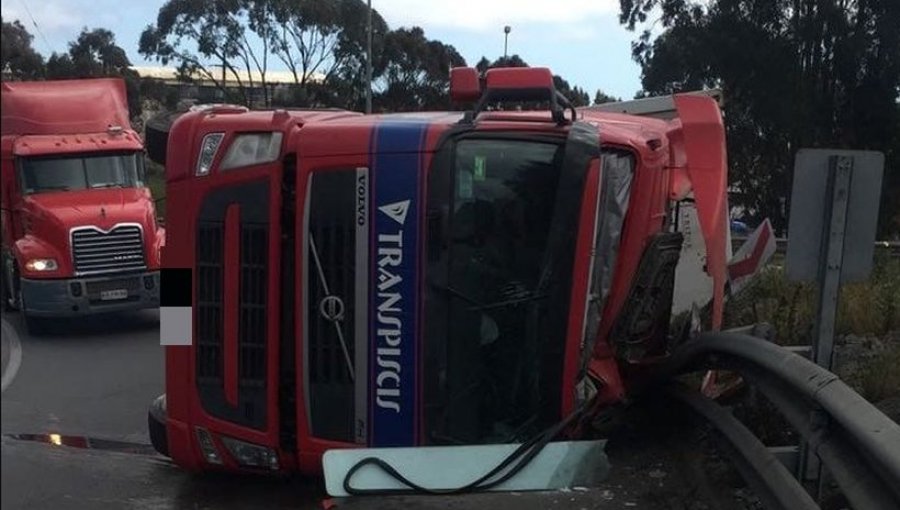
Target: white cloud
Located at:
point(51, 16)
point(489, 15)
point(58, 21)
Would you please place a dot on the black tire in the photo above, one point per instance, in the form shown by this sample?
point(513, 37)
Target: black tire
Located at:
point(5, 283)
point(158, 436)
point(36, 326)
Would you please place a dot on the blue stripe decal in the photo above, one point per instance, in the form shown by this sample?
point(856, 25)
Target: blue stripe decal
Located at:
point(394, 188)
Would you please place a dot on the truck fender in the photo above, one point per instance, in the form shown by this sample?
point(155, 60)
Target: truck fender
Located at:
point(707, 170)
point(31, 247)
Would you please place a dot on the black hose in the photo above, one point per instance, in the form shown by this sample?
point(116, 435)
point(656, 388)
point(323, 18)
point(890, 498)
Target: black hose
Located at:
point(521, 456)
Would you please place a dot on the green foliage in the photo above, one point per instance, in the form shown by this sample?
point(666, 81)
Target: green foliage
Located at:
point(95, 54)
point(601, 97)
point(880, 379)
point(417, 72)
point(320, 42)
point(197, 36)
point(867, 308)
point(18, 59)
point(795, 74)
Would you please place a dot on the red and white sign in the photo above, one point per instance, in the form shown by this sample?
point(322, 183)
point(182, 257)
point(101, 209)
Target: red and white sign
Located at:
point(752, 256)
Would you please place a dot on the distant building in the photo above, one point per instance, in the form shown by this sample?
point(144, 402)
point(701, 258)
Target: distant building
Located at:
point(203, 89)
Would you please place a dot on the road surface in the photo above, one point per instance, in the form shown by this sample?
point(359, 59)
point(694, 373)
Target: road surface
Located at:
point(90, 381)
point(95, 378)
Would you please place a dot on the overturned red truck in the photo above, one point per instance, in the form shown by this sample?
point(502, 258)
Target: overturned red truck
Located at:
point(79, 229)
point(421, 279)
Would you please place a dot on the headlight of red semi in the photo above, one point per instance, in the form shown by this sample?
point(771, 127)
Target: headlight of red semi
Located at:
point(41, 265)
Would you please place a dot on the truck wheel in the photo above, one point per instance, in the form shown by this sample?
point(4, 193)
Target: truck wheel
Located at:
point(36, 326)
point(6, 281)
point(4, 293)
point(156, 426)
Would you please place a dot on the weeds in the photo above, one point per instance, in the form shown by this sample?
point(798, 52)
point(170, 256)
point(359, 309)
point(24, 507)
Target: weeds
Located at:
point(866, 308)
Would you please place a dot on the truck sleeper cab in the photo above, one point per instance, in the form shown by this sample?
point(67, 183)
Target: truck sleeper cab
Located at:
point(412, 279)
point(79, 226)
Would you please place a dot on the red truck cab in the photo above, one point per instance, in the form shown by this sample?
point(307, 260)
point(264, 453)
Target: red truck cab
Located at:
point(420, 279)
point(79, 228)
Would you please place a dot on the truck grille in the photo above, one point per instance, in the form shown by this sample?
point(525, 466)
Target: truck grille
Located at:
point(211, 314)
point(209, 302)
point(96, 251)
point(332, 230)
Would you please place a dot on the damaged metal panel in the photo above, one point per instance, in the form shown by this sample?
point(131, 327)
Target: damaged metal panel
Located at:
point(615, 190)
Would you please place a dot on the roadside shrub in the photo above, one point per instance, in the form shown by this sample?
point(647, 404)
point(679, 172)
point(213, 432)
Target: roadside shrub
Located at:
point(866, 308)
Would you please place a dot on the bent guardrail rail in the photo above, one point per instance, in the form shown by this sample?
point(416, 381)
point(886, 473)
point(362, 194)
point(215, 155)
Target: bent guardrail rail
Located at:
point(856, 442)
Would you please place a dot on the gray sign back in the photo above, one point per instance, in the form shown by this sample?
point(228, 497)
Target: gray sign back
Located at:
point(808, 213)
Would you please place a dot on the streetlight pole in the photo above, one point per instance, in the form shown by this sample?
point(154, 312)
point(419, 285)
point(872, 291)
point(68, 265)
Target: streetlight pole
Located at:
point(369, 59)
point(506, 30)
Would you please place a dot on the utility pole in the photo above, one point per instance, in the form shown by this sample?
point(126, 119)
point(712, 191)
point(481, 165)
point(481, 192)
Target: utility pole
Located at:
point(369, 59)
point(506, 30)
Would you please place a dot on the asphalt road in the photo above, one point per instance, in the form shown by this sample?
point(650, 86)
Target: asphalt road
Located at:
point(94, 378)
point(90, 381)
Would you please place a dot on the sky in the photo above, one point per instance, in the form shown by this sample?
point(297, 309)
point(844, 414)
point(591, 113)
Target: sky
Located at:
point(580, 40)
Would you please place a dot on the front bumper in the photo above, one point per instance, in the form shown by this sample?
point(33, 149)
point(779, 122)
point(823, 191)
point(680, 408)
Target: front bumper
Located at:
point(75, 297)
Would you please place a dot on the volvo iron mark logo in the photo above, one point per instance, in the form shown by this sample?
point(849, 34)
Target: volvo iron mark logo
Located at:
point(332, 308)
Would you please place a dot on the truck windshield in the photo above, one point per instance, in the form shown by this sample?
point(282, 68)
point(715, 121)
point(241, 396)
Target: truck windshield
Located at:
point(46, 174)
point(492, 352)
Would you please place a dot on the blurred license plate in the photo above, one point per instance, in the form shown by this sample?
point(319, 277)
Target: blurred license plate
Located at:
point(112, 295)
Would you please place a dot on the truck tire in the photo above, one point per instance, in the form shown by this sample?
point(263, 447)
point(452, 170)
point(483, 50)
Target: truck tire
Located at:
point(5, 283)
point(36, 326)
point(156, 426)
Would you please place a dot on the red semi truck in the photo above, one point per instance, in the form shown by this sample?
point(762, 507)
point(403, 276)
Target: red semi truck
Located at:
point(79, 228)
point(421, 279)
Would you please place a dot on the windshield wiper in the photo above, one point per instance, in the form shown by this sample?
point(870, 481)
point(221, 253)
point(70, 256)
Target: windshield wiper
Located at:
point(108, 185)
point(54, 188)
point(509, 302)
point(453, 292)
point(477, 306)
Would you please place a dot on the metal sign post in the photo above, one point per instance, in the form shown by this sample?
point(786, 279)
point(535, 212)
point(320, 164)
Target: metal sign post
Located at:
point(840, 169)
point(831, 235)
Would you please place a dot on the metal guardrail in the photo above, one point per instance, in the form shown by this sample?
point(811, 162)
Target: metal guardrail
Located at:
point(857, 443)
point(781, 245)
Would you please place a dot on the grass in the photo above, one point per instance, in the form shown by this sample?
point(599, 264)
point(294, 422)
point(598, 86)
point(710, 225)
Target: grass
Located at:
point(865, 309)
point(881, 379)
point(869, 308)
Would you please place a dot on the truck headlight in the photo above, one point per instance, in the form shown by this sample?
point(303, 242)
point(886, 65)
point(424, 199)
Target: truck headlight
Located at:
point(252, 149)
point(251, 455)
point(38, 265)
point(208, 148)
point(208, 447)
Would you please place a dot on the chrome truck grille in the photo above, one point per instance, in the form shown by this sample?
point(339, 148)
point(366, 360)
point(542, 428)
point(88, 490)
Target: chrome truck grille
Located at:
point(97, 251)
